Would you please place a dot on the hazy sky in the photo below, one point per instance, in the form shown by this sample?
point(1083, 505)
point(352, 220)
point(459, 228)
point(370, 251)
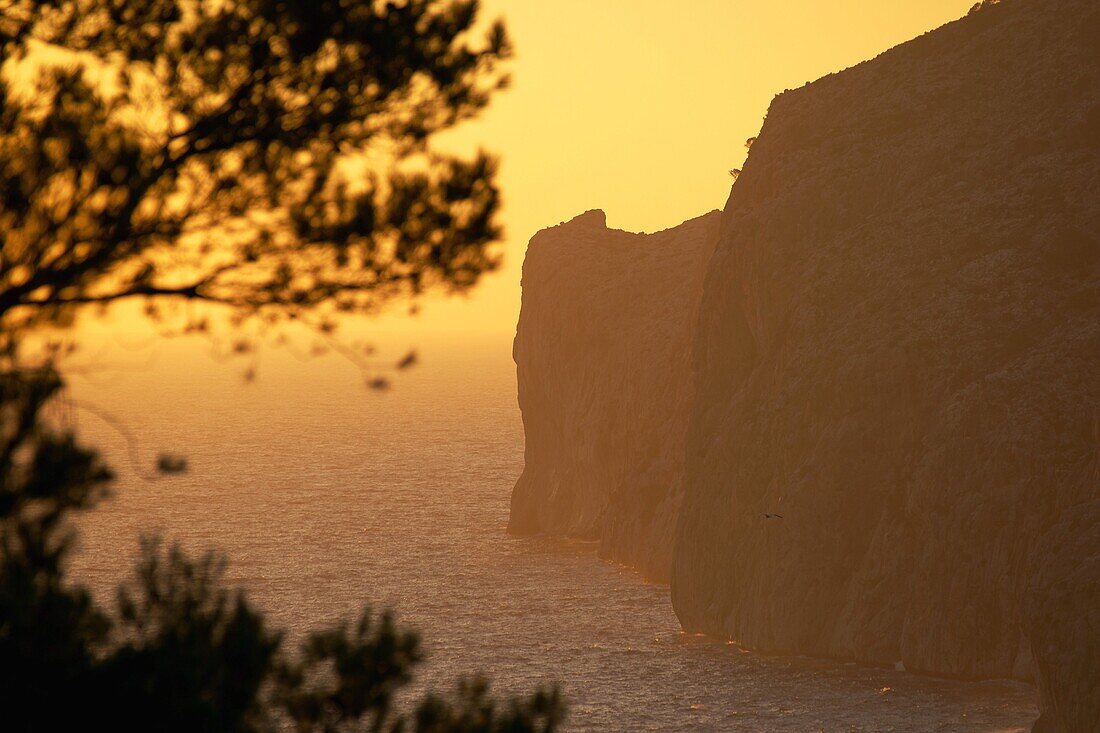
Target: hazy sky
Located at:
point(640, 107)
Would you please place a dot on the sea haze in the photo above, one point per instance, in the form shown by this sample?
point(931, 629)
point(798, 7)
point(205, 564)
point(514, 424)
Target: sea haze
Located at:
point(327, 496)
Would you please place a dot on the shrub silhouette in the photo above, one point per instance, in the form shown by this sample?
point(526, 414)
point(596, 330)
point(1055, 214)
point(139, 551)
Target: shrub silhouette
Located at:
point(982, 5)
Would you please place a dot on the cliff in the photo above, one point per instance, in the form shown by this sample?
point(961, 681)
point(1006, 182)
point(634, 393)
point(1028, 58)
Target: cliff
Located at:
point(1062, 619)
point(898, 352)
point(859, 413)
point(602, 352)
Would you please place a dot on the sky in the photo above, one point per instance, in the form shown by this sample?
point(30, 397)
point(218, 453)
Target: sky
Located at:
point(640, 108)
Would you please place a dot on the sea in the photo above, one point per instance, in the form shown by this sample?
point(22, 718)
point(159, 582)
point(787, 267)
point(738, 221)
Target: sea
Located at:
point(326, 497)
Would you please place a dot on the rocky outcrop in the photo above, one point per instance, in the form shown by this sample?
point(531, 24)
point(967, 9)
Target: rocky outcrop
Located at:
point(1062, 620)
point(898, 352)
point(602, 352)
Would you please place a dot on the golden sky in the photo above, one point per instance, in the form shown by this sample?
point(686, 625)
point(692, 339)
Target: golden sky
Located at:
point(640, 107)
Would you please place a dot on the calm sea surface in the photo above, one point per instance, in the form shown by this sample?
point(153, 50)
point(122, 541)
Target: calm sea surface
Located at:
point(327, 496)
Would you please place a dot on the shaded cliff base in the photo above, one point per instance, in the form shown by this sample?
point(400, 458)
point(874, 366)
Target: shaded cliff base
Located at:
point(1062, 613)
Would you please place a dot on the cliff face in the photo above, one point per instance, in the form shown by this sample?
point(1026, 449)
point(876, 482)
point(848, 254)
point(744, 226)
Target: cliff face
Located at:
point(1062, 621)
point(898, 351)
point(602, 351)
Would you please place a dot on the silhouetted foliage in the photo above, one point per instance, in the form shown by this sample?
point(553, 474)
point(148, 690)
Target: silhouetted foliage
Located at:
point(49, 632)
point(270, 157)
point(171, 464)
point(982, 5)
point(267, 155)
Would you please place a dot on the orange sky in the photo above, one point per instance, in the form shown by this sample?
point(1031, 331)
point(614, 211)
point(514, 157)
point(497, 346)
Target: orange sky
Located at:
point(640, 107)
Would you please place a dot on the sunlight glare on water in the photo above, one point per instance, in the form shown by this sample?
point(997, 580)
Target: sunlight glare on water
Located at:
point(327, 496)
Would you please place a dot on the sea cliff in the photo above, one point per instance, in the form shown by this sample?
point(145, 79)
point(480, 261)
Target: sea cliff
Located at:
point(603, 351)
point(899, 351)
point(887, 433)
